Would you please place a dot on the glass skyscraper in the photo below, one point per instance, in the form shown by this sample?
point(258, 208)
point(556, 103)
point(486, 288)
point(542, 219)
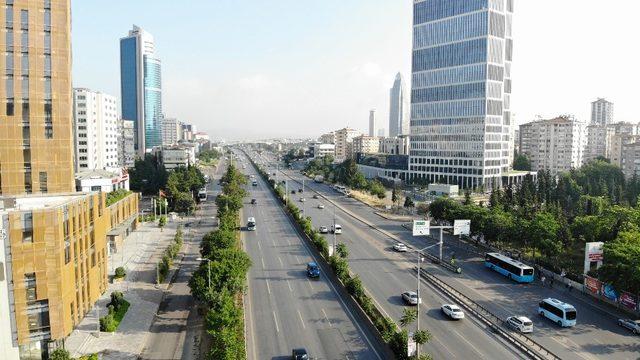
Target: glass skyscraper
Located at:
point(460, 92)
point(141, 88)
point(398, 114)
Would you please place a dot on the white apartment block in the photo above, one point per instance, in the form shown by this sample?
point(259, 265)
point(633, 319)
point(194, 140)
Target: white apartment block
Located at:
point(622, 133)
point(96, 130)
point(318, 150)
point(631, 159)
point(556, 145)
point(599, 138)
point(601, 112)
point(366, 144)
point(344, 143)
point(171, 131)
point(126, 143)
point(398, 145)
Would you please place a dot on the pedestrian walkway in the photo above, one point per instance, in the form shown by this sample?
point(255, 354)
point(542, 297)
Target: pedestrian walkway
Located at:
point(141, 252)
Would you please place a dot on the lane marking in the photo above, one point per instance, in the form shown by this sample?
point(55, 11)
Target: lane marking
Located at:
point(262, 261)
point(300, 316)
point(268, 287)
point(280, 260)
point(310, 284)
point(326, 317)
point(275, 320)
point(273, 242)
point(468, 343)
point(289, 284)
point(259, 246)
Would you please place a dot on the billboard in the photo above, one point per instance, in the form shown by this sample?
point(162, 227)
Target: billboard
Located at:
point(420, 227)
point(592, 284)
point(461, 227)
point(593, 255)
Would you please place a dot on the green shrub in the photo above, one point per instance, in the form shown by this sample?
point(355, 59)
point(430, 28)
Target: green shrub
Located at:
point(354, 287)
point(120, 272)
point(108, 323)
point(60, 354)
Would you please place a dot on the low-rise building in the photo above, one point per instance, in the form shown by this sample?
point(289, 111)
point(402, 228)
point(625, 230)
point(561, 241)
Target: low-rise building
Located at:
point(328, 138)
point(397, 145)
point(102, 180)
point(365, 145)
point(317, 150)
point(175, 156)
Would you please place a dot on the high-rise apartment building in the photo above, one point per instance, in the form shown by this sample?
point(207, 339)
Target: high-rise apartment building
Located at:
point(601, 112)
point(461, 89)
point(126, 148)
point(599, 139)
point(622, 133)
point(171, 131)
point(631, 159)
point(398, 108)
point(344, 143)
point(141, 88)
point(96, 130)
point(556, 145)
point(372, 122)
point(36, 138)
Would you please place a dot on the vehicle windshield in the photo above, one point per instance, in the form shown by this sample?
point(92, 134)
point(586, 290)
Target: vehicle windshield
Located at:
point(456, 310)
point(571, 314)
point(528, 323)
point(527, 271)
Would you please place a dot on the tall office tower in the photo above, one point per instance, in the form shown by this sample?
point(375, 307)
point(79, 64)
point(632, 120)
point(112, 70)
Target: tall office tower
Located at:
point(36, 138)
point(96, 124)
point(171, 131)
point(141, 88)
point(461, 88)
point(398, 109)
point(372, 122)
point(601, 112)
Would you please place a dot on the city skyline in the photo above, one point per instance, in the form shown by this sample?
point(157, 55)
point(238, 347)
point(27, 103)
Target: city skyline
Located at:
point(351, 64)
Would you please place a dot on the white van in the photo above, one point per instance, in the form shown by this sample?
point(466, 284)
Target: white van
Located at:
point(336, 229)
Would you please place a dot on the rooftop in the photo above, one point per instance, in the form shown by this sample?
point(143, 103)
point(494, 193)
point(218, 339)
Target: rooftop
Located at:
point(36, 202)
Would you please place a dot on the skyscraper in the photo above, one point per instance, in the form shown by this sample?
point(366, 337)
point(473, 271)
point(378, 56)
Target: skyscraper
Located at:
point(141, 88)
point(601, 112)
point(372, 122)
point(398, 109)
point(36, 140)
point(461, 88)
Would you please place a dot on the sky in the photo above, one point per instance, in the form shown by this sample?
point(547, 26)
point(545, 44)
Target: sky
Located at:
point(256, 69)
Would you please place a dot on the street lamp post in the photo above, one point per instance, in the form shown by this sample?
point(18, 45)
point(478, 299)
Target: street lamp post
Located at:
point(334, 229)
point(420, 260)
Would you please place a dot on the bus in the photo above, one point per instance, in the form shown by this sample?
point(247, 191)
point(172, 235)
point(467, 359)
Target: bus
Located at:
point(513, 269)
point(557, 311)
point(251, 224)
point(202, 195)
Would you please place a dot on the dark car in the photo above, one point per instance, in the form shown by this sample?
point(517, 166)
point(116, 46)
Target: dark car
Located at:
point(299, 354)
point(300, 190)
point(254, 201)
point(293, 191)
point(313, 270)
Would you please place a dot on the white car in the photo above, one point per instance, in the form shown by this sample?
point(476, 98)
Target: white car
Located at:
point(452, 311)
point(336, 229)
point(400, 247)
point(323, 230)
point(520, 323)
point(320, 206)
point(410, 298)
point(303, 199)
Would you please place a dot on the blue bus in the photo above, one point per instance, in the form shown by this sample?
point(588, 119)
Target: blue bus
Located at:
point(557, 311)
point(513, 269)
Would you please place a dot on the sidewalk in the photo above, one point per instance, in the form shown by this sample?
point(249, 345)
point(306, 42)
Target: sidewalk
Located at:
point(142, 250)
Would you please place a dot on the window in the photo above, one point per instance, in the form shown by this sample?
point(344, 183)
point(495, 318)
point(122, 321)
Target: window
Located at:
point(24, 64)
point(47, 43)
point(43, 182)
point(67, 251)
point(30, 286)
point(9, 16)
point(25, 113)
point(27, 227)
point(9, 39)
point(24, 42)
point(24, 19)
point(47, 19)
point(47, 65)
point(28, 185)
point(9, 63)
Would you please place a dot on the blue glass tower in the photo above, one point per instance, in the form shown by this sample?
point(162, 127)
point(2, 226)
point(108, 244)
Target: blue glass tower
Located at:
point(460, 92)
point(141, 88)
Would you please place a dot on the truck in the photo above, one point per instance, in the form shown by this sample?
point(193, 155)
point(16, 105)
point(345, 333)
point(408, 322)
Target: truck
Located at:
point(318, 178)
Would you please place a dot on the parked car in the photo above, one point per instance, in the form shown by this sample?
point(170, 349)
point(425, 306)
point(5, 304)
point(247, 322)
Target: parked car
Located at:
point(520, 323)
point(300, 190)
point(400, 247)
point(315, 196)
point(633, 325)
point(302, 199)
point(323, 230)
point(313, 270)
point(254, 201)
point(299, 354)
point(293, 191)
point(320, 206)
point(452, 311)
point(411, 298)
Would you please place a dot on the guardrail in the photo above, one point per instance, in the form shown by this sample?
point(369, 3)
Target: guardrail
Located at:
point(524, 343)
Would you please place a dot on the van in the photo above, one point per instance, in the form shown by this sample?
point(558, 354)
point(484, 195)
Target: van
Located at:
point(557, 311)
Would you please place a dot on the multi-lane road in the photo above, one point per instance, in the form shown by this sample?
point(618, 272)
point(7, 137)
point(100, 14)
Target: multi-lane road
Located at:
point(596, 335)
point(285, 309)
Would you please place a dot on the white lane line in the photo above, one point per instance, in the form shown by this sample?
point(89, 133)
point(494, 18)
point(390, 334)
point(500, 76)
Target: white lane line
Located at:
point(273, 242)
point(470, 344)
point(289, 284)
point(326, 317)
point(280, 260)
point(300, 316)
point(262, 261)
point(310, 284)
point(275, 320)
point(268, 287)
point(259, 246)
point(445, 348)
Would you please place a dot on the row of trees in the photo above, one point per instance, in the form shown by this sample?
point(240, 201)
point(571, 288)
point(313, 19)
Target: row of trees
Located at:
point(551, 220)
point(209, 157)
point(170, 253)
point(220, 280)
point(346, 173)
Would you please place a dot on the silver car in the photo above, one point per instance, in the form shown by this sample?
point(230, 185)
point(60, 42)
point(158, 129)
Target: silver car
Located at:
point(633, 325)
point(411, 298)
point(400, 247)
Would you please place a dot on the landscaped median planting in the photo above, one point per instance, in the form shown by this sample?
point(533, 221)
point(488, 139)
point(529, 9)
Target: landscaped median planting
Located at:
point(117, 307)
point(390, 333)
point(169, 255)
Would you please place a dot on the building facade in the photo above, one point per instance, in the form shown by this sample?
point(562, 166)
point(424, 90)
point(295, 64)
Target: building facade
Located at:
point(141, 88)
point(372, 122)
point(176, 156)
point(318, 150)
point(556, 144)
point(398, 145)
point(621, 133)
point(96, 130)
point(102, 180)
point(328, 138)
point(171, 131)
point(461, 88)
point(366, 145)
point(398, 108)
point(601, 112)
point(599, 139)
point(631, 159)
point(36, 136)
point(126, 143)
point(344, 143)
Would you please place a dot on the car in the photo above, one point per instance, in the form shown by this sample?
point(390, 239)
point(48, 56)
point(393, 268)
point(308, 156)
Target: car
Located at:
point(336, 229)
point(254, 201)
point(452, 311)
point(302, 199)
point(633, 325)
point(315, 196)
point(400, 247)
point(323, 230)
point(410, 298)
point(293, 191)
point(299, 354)
point(520, 323)
point(254, 183)
point(300, 190)
point(313, 270)
point(320, 206)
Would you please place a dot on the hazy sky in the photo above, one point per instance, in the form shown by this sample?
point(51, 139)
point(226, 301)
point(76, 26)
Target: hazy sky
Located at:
point(261, 68)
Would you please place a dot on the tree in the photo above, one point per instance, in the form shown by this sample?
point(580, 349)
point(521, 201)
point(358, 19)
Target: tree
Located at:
point(521, 162)
point(543, 232)
point(395, 197)
point(621, 265)
point(376, 188)
point(342, 250)
point(147, 176)
point(408, 202)
point(421, 337)
point(162, 222)
point(60, 354)
point(183, 203)
point(408, 317)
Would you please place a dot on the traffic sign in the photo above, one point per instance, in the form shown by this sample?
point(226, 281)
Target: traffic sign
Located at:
point(461, 227)
point(420, 227)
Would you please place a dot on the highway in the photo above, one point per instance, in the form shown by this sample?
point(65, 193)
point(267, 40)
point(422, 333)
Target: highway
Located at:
point(285, 309)
point(596, 335)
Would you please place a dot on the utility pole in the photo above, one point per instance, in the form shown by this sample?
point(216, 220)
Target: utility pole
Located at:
point(334, 229)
